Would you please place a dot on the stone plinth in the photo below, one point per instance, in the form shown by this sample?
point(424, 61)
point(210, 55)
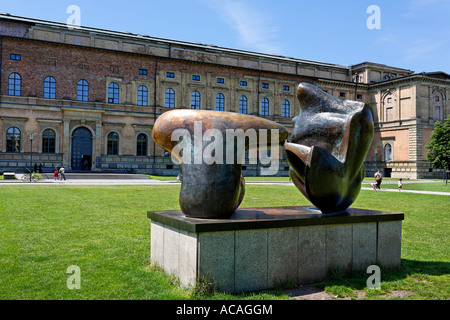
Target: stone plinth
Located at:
point(260, 248)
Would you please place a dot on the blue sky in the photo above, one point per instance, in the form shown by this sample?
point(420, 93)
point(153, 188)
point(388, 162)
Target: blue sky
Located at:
point(413, 34)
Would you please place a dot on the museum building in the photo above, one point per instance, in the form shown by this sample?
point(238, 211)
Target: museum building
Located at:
point(87, 98)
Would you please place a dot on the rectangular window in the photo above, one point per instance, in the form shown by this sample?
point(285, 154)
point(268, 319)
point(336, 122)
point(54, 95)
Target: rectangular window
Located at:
point(342, 94)
point(286, 88)
point(243, 83)
point(220, 80)
point(14, 56)
point(170, 74)
point(265, 86)
point(196, 77)
point(143, 72)
point(359, 96)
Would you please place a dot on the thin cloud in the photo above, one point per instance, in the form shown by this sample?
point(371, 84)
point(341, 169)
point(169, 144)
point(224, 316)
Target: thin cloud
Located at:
point(253, 28)
point(416, 7)
point(424, 49)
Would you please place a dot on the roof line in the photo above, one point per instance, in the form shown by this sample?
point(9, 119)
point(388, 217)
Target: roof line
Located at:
point(170, 41)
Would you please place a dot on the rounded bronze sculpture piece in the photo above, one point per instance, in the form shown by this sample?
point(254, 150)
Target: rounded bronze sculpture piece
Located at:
point(327, 148)
point(211, 189)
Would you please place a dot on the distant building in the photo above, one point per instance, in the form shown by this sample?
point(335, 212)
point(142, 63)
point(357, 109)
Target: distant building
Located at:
point(90, 97)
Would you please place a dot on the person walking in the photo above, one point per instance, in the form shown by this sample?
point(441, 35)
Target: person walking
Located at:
point(62, 173)
point(55, 173)
point(400, 184)
point(378, 179)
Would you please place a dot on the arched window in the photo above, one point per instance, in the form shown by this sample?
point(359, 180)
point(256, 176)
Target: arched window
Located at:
point(113, 144)
point(265, 107)
point(220, 102)
point(142, 96)
point(49, 88)
point(13, 140)
point(169, 98)
point(286, 109)
point(113, 93)
point(48, 141)
point(141, 146)
point(243, 102)
point(83, 90)
point(387, 152)
point(195, 100)
point(438, 107)
point(14, 84)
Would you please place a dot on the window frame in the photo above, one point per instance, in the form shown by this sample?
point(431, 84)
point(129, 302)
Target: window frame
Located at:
point(220, 102)
point(265, 107)
point(16, 84)
point(48, 141)
point(243, 104)
point(16, 136)
point(49, 88)
point(286, 109)
point(141, 145)
point(195, 100)
point(15, 56)
point(113, 93)
point(112, 143)
point(388, 154)
point(142, 96)
point(82, 90)
point(169, 98)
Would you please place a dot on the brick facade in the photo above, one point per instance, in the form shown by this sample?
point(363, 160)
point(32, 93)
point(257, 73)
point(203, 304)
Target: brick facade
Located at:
point(402, 101)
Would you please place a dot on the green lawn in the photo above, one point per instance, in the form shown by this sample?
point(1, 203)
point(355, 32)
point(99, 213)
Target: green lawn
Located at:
point(260, 178)
point(104, 230)
point(430, 186)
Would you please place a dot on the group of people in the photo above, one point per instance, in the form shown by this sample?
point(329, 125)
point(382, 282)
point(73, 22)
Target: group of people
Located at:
point(59, 173)
point(37, 169)
point(379, 177)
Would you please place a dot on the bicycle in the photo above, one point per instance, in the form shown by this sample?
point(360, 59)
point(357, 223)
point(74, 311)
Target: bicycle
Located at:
point(27, 177)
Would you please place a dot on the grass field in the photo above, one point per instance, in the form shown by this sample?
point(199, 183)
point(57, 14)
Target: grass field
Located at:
point(105, 231)
point(430, 186)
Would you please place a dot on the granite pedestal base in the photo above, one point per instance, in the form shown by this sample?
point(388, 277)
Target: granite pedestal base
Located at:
point(260, 248)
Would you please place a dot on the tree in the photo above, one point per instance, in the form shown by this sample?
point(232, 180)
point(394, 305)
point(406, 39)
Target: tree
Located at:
point(439, 146)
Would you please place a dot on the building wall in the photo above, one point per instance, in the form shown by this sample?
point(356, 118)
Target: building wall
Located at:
point(404, 103)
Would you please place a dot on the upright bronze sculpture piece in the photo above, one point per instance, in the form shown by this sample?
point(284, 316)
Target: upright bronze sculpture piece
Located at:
point(327, 148)
point(212, 189)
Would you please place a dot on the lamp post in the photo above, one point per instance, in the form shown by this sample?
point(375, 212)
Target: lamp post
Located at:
point(31, 152)
point(376, 156)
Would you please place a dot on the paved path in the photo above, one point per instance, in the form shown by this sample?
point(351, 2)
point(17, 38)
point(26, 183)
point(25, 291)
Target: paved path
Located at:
point(139, 179)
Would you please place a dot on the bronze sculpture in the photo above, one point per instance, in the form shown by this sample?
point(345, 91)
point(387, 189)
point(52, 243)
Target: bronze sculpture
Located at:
point(327, 148)
point(211, 189)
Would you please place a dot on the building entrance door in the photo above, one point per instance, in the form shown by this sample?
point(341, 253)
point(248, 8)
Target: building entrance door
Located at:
point(81, 149)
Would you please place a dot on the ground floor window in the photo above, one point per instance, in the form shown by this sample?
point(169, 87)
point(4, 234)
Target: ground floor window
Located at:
point(113, 144)
point(387, 152)
point(49, 141)
point(142, 143)
point(13, 140)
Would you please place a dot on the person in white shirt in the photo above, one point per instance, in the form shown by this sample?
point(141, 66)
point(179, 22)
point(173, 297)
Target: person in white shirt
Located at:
point(378, 179)
point(62, 173)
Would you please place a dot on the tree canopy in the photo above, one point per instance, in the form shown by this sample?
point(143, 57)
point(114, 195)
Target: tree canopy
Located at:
point(439, 146)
